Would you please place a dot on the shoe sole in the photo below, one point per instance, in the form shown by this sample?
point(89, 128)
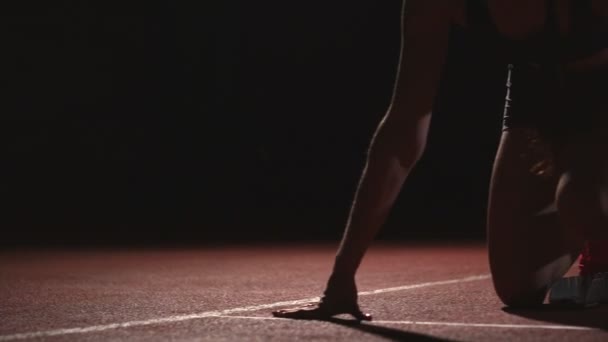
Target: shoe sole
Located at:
point(580, 291)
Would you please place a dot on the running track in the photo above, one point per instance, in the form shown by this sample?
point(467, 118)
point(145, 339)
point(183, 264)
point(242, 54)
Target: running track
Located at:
point(416, 292)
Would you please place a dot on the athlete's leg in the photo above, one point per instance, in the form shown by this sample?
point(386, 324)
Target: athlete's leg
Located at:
point(528, 248)
point(583, 189)
point(582, 197)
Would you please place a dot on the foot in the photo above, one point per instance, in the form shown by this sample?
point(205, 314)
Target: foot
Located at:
point(570, 292)
point(580, 291)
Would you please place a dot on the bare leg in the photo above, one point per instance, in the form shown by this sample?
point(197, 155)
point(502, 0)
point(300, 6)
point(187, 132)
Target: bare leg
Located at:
point(369, 210)
point(528, 248)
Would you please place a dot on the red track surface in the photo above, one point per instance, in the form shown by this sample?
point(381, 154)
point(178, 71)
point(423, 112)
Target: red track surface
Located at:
point(217, 294)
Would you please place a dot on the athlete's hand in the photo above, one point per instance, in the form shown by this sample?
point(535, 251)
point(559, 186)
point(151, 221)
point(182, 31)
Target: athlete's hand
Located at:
point(340, 297)
point(321, 311)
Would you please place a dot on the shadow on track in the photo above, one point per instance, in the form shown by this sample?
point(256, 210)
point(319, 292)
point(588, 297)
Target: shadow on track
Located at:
point(593, 317)
point(386, 332)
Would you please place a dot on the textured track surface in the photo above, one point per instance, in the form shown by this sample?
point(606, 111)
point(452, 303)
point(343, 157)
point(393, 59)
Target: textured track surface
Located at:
point(226, 293)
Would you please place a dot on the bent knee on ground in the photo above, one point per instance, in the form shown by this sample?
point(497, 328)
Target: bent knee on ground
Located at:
point(519, 294)
point(523, 278)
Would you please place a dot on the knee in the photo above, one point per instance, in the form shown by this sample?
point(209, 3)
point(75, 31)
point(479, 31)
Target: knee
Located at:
point(516, 286)
point(519, 295)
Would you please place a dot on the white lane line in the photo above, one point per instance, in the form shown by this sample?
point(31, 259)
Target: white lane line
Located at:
point(436, 283)
point(181, 318)
point(447, 324)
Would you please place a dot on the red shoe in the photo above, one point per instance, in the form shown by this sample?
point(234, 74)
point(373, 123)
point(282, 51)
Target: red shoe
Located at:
point(591, 286)
point(594, 258)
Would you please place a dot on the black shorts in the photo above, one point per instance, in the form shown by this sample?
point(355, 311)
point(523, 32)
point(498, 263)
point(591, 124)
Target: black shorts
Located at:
point(558, 104)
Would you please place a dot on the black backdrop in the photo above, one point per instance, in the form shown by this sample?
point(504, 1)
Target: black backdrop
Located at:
point(198, 121)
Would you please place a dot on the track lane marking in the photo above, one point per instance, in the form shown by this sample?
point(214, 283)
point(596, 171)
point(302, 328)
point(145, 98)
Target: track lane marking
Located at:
point(218, 313)
point(448, 324)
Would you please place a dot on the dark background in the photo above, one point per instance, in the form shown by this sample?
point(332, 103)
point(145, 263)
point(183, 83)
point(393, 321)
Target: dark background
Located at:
point(235, 120)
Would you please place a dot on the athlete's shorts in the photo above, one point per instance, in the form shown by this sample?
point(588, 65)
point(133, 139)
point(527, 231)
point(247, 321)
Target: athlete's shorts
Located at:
point(558, 104)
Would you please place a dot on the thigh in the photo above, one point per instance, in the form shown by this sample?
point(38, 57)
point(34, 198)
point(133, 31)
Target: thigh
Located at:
point(583, 189)
point(586, 154)
point(585, 121)
point(528, 248)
